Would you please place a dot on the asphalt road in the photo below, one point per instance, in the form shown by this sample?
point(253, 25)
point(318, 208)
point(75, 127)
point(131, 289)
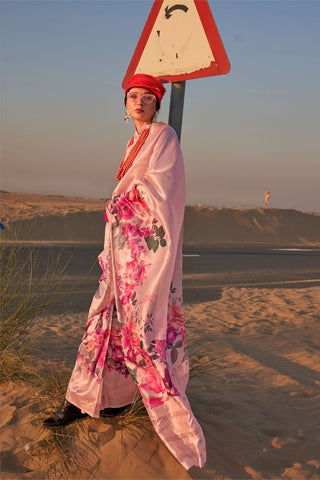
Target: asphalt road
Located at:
point(258, 267)
point(206, 271)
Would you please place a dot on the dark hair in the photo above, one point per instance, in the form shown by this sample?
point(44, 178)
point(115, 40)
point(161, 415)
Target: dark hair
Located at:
point(157, 101)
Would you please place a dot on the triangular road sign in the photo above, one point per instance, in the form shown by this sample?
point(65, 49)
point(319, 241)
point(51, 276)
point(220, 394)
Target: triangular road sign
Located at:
point(180, 41)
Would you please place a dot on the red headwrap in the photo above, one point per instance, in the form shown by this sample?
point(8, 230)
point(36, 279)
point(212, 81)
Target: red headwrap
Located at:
point(149, 82)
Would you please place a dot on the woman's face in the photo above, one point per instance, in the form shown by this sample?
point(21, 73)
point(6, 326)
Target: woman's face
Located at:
point(142, 113)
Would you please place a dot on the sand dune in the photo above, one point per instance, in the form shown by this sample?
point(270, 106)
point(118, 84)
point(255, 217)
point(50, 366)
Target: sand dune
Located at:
point(256, 395)
point(251, 226)
point(27, 206)
point(69, 219)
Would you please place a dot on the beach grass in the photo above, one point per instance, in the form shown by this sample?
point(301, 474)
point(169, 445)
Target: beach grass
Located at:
point(199, 362)
point(135, 420)
point(63, 451)
point(27, 287)
point(50, 385)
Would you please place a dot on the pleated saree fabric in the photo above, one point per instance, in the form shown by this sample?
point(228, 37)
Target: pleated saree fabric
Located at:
point(135, 339)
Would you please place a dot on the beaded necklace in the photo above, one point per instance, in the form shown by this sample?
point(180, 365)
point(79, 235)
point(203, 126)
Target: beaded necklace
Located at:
point(126, 163)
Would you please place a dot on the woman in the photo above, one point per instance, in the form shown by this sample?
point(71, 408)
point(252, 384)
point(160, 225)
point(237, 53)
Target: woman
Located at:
point(135, 336)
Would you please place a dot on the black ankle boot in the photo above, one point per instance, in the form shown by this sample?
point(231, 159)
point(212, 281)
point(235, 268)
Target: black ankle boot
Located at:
point(67, 414)
point(113, 412)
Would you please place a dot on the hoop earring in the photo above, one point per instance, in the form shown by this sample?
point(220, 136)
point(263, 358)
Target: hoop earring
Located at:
point(126, 117)
point(154, 116)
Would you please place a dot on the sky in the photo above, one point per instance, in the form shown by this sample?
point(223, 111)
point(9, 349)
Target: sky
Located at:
point(252, 130)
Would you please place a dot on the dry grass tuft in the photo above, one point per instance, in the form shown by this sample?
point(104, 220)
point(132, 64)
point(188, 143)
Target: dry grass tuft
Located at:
point(27, 287)
point(135, 419)
point(50, 385)
point(62, 452)
point(199, 363)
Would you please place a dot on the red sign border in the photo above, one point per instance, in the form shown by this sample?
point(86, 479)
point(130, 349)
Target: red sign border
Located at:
point(219, 67)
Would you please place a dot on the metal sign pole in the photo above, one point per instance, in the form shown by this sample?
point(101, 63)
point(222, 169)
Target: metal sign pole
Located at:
point(176, 106)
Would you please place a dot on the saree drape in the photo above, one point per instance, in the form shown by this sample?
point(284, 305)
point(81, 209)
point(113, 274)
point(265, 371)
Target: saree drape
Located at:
point(135, 338)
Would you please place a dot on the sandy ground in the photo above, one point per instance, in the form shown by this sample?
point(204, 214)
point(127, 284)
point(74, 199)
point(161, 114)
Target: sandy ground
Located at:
point(256, 395)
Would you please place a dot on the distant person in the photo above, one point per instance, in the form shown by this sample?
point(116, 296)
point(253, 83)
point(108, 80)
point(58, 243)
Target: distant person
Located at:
point(135, 339)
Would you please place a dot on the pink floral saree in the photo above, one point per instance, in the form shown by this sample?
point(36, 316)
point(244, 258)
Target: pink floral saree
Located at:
point(135, 338)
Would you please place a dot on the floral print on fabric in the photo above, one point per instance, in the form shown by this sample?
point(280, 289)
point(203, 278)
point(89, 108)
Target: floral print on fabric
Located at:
point(136, 232)
point(93, 348)
point(115, 357)
point(101, 347)
point(147, 358)
point(142, 279)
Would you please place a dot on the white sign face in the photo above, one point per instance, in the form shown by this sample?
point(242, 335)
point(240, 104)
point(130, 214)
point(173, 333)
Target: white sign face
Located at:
point(177, 43)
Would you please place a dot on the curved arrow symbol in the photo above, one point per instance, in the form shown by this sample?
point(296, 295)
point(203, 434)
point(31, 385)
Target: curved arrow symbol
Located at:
point(175, 7)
